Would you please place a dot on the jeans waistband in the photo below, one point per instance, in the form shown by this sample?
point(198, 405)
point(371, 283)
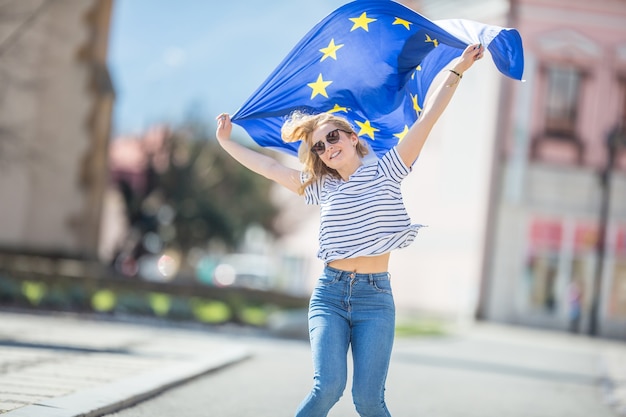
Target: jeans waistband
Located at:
point(351, 275)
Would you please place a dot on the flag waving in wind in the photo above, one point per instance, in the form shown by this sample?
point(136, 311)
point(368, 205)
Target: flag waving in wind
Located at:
point(370, 61)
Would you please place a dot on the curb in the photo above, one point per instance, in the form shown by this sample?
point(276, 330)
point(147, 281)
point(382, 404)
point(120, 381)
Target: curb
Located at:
point(126, 392)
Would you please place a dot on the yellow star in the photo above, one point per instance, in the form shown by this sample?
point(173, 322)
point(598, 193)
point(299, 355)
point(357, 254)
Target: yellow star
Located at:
point(319, 87)
point(402, 22)
point(416, 106)
point(330, 50)
point(366, 129)
point(361, 22)
point(419, 68)
point(338, 108)
point(402, 134)
point(434, 41)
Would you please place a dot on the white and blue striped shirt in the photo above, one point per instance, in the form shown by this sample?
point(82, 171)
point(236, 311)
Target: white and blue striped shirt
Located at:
point(365, 215)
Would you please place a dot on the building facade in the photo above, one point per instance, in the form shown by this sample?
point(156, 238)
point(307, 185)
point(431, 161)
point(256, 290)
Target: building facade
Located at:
point(555, 248)
point(56, 100)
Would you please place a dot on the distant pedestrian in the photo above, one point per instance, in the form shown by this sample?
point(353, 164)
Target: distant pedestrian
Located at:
point(575, 305)
point(363, 218)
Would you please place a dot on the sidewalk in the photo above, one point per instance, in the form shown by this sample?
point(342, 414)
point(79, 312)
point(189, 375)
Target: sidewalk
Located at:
point(543, 354)
point(54, 365)
point(69, 366)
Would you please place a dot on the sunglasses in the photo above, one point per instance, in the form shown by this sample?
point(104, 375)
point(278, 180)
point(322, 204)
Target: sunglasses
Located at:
point(332, 138)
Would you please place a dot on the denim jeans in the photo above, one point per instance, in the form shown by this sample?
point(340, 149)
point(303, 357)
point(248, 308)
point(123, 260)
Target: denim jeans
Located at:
point(357, 310)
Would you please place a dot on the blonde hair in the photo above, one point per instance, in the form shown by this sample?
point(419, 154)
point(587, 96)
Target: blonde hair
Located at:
point(300, 127)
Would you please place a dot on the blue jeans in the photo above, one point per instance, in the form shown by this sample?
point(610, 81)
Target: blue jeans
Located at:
point(357, 310)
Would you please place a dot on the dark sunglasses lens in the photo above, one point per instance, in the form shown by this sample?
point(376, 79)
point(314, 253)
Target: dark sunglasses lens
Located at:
point(318, 148)
point(333, 136)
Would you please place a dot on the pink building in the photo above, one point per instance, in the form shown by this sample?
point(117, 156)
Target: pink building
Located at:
point(542, 248)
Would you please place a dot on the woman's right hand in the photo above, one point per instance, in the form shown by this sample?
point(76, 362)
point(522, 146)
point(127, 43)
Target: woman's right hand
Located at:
point(258, 162)
point(224, 127)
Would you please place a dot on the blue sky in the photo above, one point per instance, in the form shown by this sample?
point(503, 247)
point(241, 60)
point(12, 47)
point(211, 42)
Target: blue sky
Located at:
point(166, 57)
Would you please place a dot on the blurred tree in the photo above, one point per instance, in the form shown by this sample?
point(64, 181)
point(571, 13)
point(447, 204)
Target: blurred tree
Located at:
point(211, 195)
point(194, 194)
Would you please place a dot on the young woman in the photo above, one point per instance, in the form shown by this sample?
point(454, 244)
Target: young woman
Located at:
point(362, 219)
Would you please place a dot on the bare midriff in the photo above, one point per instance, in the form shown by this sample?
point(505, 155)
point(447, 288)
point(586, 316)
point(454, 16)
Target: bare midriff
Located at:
point(363, 264)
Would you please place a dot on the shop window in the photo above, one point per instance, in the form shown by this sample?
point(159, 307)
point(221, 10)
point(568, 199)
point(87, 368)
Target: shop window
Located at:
point(623, 92)
point(581, 276)
point(542, 266)
point(617, 297)
point(542, 276)
point(617, 302)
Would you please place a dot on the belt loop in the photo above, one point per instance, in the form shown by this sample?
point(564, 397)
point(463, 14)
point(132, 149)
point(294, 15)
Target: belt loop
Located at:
point(370, 278)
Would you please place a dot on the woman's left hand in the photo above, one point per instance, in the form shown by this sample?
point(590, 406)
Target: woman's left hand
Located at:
point(471, 54)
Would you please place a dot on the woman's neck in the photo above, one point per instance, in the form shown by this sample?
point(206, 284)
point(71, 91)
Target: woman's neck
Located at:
point(346, 171)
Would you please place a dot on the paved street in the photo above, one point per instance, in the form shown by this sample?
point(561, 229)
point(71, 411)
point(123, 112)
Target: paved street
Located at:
point(493, 372)
point(83, 366)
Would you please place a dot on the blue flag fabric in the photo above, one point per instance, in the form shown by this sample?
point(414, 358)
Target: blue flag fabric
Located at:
point(371, 61)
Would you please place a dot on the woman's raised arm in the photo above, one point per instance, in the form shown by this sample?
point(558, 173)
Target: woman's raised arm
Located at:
point(261, 164)
point(412, 144)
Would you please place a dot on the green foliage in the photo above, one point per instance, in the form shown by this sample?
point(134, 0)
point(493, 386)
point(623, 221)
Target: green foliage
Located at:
point(254, 315)
point(214, 197)
point(34, 291)
point(420, 327)
point(116, 299)
point(160, 303)
point(103, 300)
point(207, 195)
point(213, 312)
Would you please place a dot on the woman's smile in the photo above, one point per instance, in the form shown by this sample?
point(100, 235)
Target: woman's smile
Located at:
point(334, 154)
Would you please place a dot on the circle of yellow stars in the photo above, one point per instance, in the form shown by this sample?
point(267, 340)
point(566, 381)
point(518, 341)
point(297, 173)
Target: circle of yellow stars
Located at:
point(319, 86)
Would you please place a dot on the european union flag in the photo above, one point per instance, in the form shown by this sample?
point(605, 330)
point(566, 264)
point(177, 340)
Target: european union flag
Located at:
point(372, 62)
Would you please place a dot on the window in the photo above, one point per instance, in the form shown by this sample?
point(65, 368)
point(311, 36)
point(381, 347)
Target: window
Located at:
point(542, 269)
point(562, 101)
point(542, 273)
point(617, 294)
point(623, 113)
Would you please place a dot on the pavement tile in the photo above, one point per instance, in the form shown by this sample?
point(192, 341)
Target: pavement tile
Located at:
point(70, 366)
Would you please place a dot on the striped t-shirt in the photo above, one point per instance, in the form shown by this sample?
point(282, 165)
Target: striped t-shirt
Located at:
point(365, 215)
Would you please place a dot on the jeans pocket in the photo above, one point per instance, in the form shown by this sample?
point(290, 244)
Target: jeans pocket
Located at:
point(326, 280)
point(382, 285)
